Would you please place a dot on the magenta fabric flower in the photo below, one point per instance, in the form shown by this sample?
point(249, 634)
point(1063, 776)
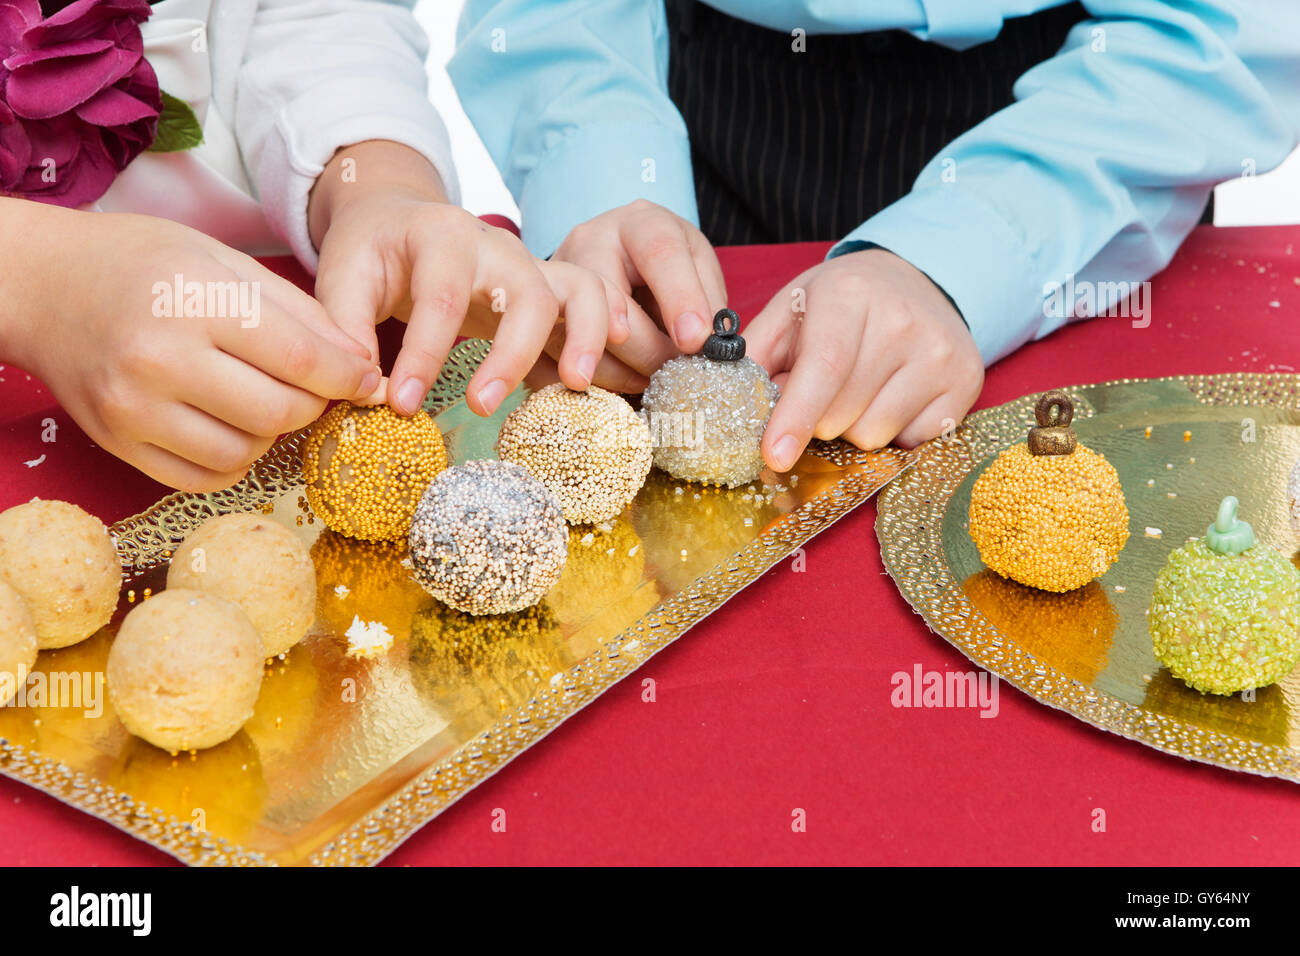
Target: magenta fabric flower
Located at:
point(78, 100)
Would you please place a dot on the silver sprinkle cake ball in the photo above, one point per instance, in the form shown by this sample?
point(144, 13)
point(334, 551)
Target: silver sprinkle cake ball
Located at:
point(488, 538)
point(707, 412)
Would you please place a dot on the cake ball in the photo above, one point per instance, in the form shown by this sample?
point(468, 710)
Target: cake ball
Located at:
point(488, 538)
point(258, 564)
point(365, 468)
point(1049, 513)
point(62, 562)
point(1225, 613)
point(185, 670)
point(707, 412)
point(17, 643)
point(589, 448)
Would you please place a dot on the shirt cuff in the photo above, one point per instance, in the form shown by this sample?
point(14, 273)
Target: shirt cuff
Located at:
point(598, 168)
point(311, 129)
point(971, 253)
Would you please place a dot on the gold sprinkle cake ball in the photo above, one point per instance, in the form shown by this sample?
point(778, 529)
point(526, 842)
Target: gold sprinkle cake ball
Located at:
point(17, 642)
point(62, 562)
point(1050, 513)
point(1225, 612)
point(366, 467)
point(707, 412)
point(488, 538)
point(258, 564)
point(589, 448)
point(185, 670)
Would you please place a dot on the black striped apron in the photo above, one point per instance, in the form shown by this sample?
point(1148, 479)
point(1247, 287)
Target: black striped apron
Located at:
point(790, 146)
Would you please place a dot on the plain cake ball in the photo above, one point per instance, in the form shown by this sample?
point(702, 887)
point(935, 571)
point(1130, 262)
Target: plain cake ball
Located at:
point(17, 643)
point(62, 562)
point(185, 670)
point(260, 565)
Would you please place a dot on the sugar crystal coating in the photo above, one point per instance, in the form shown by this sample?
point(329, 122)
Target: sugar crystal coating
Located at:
point(707, 418)
point(1053, 522)
point(365, 468)
point(1226, 623)
point(589, 448)
point(488, 538)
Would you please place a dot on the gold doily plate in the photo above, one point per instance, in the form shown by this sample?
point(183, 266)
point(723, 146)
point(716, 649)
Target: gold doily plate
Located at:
point(344, 758)
point(1179, 445)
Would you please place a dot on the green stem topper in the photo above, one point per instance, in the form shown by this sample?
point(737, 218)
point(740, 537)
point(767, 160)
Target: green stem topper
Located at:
point(1228, 535)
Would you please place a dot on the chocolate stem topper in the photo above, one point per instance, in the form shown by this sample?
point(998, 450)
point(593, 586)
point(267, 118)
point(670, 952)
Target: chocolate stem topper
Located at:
point(1053, 434)
point(725, 344)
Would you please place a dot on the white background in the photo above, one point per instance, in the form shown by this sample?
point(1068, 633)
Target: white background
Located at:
point(1273, 198)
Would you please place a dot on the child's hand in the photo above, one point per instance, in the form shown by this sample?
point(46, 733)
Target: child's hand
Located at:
point(391, 245)
point(668, 264)
point(878, 354)
point(190, 399)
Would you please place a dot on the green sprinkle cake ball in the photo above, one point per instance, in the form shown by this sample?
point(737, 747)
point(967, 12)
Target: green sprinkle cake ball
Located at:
point(1225, 615)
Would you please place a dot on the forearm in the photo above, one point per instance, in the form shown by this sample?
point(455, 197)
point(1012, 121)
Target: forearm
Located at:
point(361, 170)
point(35, 246)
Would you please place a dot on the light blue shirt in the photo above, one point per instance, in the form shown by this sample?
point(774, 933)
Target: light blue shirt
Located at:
point(1093, 176)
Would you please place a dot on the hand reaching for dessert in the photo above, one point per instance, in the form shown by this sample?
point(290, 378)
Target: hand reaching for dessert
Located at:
point(190, 389)
point(663, 262)
point(866, 347)
point(390, 244)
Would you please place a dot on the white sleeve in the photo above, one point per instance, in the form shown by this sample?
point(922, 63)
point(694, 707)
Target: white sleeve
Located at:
point(318, 75)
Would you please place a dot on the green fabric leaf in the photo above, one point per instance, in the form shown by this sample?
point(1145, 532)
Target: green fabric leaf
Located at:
point(178, 127)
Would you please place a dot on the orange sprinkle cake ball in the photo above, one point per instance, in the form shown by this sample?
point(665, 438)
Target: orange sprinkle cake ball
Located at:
point(252, 561)
point(366, 467)
point(589, 448)
point(185, 670)
point(1050, 513)
point(62, 562)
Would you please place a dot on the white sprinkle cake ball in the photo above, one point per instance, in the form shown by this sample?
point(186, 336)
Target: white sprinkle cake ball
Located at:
point(589, 448)
point(17, 643)
point(707, 418)
point(488, 538)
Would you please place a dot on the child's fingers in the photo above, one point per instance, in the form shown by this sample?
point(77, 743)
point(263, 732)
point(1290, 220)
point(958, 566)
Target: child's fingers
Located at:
point(658, 249)
point(584, 303)
point(530, 314)
point(709, 270)
point(350, 288)
point(771, 335)
point(440, 297)
point(199, 438)
point(898, 403)
point(284, 348)
point(246, 398)
point(172, 470)
point(876, 364)
point(943, 413)
point(264, 286)
point(646, 347)
point(827, 355)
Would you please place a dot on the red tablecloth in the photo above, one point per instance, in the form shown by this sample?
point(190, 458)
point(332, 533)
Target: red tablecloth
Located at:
point(781, 700)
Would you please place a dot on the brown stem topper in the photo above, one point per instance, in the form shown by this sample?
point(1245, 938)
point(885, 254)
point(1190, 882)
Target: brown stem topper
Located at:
point(725, 344)
point(1053, 434)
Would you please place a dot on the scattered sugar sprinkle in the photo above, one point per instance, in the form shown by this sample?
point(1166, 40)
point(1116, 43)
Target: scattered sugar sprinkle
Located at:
point(1148, 432)
point(587, 539)
point(679, 490)
point(1187, 436)
point(1171, 494)
point(1119, 588)
point(1168, 467)
point(342, 591)
point(1151, 482)
point(1153, 532)
point(634, 549)
point(367, 638)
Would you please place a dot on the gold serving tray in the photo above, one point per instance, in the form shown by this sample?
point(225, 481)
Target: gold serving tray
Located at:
point(344, 759)
point(1088, 652)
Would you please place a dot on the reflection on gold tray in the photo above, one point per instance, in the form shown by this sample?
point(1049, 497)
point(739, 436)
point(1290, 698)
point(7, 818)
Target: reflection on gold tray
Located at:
point(1088, 652)
point(344, 759)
